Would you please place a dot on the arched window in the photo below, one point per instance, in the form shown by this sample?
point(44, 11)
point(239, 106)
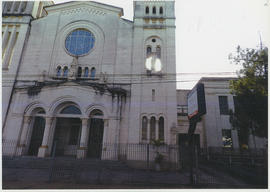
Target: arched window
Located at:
point(144, 128)
point(154, 10)
point(71, 110)
point(58, 71)
point(161, 10)
point(153, 128)
point(80, 42)
point(41, 111)
point(158, 50)
point(86, 72)
point(79, 72)
point(148, 51)
point(93, 72)
point(161, 128)
point(8, 6)
point(23, 6)
point(96, 112)
point(65, 72)
point(16, 6)
point(147, 10)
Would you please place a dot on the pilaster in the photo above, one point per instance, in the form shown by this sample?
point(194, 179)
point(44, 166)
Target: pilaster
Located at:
point(42, 152)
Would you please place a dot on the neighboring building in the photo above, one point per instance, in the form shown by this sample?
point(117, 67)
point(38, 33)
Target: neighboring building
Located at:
point(85, 77)
point(215, 129)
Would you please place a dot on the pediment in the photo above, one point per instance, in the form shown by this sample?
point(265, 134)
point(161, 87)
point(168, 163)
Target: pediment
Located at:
point(88, 7)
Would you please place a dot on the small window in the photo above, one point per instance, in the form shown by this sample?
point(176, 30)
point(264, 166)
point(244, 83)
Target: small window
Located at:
point(147, 10)
point(148, 51)
point(65, 72)
point(58, 71)
point(161, 10)
point(227, 138)
point(86, 72)
point(158, 50)
point(153, 40)
point(71, 110)
point(93, 72)
point(161, 128)
point(223, 105)
point(236, 103)
point(154, 10)
point(153, 128)
point(153, 94)
point(79, 72)
point(144, 128)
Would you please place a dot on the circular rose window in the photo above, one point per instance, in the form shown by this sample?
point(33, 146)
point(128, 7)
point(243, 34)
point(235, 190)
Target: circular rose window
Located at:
point(79, 42)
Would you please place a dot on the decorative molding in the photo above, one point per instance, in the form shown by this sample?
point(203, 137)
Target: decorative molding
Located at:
point(83, 10)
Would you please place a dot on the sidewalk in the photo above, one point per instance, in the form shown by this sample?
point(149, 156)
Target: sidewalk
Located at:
point(136, 179)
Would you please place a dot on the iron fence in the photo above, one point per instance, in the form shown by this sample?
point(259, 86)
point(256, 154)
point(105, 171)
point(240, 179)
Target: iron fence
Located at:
point(119, 162)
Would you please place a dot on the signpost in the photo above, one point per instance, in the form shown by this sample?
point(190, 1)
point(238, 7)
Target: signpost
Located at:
point(196, 108)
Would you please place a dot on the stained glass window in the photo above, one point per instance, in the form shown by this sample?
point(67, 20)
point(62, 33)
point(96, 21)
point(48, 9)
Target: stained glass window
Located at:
point(65, 72)
point(86, 71)
point(79, 42)
point(71, 110)
point(93, 72)
point(58, 72)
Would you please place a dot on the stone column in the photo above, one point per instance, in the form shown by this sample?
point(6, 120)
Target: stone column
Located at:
point(42, 152)
point(82, 151)
point(23, 139)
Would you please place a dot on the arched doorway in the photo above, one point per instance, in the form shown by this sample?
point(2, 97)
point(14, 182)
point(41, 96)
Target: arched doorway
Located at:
point(37, 132)
point(67, 131)
point(96, 131)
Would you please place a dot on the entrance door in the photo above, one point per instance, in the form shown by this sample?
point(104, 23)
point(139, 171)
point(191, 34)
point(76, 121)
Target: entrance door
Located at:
point(37, 136)
point(95, 138)
point(66, 136)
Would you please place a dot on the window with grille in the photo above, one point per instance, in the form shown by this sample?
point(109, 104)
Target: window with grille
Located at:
point(223, 105)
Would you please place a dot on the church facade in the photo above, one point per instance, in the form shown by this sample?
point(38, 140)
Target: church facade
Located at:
point(84, 77)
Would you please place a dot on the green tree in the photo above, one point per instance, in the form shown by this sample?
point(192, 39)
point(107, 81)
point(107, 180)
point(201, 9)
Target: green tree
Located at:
point(251, 93)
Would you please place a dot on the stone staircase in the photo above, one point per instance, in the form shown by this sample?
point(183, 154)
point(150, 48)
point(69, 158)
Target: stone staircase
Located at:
point(67, 169)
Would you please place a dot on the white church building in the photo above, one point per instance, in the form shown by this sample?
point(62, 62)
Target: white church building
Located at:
point(78, 76)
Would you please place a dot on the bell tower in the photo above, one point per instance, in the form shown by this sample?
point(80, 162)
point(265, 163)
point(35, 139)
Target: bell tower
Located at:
point(153, 69)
